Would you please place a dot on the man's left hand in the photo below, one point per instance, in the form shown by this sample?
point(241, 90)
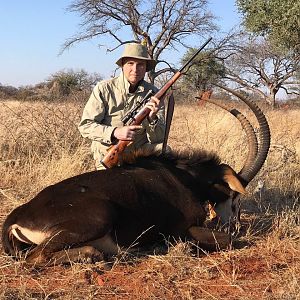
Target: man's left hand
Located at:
point(154, 105)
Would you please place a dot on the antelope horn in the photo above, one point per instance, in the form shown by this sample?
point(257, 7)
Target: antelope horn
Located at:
point(264, 137)
point(246, 125)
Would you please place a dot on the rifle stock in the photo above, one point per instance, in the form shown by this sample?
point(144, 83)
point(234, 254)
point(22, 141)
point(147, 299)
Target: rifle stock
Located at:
point(111, 158)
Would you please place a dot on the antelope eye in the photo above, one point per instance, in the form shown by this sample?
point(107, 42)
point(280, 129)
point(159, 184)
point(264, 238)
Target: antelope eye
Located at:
point(223, 189)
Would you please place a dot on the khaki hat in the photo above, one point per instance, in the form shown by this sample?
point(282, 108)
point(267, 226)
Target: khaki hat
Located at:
point(135, 50)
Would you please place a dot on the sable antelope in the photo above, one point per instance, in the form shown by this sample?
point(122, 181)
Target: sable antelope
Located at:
point(157, 196)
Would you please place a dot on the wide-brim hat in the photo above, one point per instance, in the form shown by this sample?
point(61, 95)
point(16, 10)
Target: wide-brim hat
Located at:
point(135, 50)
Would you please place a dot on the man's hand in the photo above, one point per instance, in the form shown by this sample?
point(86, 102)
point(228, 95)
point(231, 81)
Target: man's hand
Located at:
point(154, 105)
point(126, 133)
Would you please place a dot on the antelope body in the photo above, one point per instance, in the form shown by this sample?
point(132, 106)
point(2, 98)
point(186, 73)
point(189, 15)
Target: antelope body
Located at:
point(135, 204)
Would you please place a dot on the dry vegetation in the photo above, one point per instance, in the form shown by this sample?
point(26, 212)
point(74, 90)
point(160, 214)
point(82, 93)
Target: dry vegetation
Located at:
point(40, 145)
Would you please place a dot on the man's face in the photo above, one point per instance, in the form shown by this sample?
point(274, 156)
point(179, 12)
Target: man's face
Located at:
point(134, 69)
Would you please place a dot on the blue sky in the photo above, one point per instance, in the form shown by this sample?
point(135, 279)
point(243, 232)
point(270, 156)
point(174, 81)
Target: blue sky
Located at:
point(33, 31)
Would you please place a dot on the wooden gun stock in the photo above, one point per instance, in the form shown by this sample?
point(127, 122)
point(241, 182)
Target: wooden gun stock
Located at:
point(111, 158)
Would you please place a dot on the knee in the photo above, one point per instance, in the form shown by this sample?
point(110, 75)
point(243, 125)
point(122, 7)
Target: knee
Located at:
point(99, 165)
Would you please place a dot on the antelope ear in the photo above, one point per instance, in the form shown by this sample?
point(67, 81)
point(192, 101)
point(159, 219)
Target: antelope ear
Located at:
point(229, 176)
point(234, 184)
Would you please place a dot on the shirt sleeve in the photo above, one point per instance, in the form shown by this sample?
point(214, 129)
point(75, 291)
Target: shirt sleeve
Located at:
point(93, 114)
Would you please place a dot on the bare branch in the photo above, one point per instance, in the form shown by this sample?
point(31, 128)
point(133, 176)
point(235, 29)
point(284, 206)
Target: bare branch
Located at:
point(253, 64)
point(121, 44)
point(163, 24)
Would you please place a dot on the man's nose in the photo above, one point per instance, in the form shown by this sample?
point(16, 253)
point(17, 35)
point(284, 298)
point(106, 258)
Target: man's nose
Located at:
point(134, 67)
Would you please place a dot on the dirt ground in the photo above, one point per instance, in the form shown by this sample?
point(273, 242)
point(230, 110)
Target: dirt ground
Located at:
point(261, 270)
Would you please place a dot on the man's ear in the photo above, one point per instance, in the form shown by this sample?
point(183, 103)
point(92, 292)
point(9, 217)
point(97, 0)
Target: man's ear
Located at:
point(231, 178)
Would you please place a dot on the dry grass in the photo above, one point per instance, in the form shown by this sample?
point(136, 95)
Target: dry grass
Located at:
point(40, 145)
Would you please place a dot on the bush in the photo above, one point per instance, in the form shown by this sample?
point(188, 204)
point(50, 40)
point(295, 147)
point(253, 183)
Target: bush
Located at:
point(7, 91)
point(64, 82)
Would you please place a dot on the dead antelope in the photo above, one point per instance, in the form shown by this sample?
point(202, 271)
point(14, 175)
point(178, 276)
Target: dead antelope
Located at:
point(141, 203)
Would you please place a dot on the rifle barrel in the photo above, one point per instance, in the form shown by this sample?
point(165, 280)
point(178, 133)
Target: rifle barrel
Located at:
point(195, 54)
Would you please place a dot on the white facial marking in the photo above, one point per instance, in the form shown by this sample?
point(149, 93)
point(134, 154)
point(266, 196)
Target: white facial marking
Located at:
point(224, 211)
point(28, 236)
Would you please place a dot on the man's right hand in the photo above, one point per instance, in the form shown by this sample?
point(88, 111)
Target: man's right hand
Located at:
point(126, 133)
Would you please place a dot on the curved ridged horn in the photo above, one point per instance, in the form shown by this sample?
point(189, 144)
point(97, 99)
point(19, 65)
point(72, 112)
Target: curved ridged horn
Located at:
point(246, 125)
point(264, 137)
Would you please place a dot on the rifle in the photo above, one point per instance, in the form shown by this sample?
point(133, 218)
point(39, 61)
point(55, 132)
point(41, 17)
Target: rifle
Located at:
point(136, 117)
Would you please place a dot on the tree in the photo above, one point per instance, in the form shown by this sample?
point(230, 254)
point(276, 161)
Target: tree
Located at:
point(204, 70)
point(276, 19)
point(160, 24)
point(255, 65)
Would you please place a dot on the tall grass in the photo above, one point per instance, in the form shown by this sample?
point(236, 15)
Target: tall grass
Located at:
point(40, 145)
